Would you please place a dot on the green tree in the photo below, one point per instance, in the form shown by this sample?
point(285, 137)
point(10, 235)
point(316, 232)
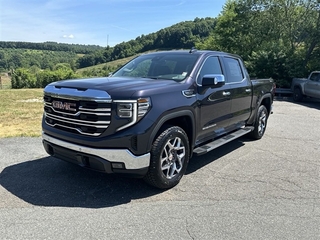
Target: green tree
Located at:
point(277, 38)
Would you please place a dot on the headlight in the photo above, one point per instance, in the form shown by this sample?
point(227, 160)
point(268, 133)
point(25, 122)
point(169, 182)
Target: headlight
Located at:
point(124, 110)
point(132, 110)
point(144, 105)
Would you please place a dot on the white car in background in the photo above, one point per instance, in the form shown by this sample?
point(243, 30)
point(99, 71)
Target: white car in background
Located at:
point(306, 87)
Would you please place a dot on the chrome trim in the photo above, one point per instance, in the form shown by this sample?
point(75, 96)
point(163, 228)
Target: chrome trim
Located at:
point(77, 129)
point(94, 112)
point(210, 126)
point(79, 122)
point(49, 104)
point(243, 80)
point(124, 101)
point(76, 94)
point(188, 93)
point(112, 155)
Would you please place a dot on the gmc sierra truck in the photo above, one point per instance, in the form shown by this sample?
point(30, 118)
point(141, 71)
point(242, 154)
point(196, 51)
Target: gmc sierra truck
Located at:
point(148, 118)
point(306, 87)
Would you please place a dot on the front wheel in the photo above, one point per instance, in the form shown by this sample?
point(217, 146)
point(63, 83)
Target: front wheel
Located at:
point(297, 94)
point(169, 158)
point(260, 124)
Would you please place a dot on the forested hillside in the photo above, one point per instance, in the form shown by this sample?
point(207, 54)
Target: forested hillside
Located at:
point(12, 58)
point(276, 38)
point(183, 35)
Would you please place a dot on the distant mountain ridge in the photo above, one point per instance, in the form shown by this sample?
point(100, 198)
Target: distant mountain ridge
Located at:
point(51, 46)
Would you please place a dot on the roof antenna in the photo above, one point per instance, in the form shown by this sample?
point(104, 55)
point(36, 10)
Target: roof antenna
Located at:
point(192, 50)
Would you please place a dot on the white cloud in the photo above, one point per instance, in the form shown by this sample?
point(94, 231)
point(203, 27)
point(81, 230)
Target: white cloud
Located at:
point(68, 36)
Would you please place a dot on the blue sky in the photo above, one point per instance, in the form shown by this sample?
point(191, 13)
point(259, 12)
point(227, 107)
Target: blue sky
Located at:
point(96, 22)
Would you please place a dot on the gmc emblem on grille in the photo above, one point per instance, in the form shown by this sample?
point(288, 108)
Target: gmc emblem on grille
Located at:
point(64, 106)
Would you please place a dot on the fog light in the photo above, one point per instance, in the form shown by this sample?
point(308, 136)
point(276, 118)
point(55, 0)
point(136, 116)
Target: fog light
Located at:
point(118, 165)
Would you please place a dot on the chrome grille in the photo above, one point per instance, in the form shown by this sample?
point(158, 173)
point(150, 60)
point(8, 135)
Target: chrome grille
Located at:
point(86, 117)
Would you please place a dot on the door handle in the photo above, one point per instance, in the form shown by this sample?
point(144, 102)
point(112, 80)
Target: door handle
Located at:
point(226, 93)
point(248, 90)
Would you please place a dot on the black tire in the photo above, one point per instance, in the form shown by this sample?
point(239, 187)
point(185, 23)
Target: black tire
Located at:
point(297, 94)
point(169, 158)
point(260, 124)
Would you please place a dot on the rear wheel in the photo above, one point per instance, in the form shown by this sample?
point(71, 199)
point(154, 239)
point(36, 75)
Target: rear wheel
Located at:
point(169, 158)
point(260, 124)
point(297, 94)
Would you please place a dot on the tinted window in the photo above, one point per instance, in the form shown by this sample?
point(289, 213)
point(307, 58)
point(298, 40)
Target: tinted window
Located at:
point(233, 69)
point(210, 66)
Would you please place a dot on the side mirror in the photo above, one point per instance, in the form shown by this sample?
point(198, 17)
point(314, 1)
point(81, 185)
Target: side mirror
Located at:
point(213, 80)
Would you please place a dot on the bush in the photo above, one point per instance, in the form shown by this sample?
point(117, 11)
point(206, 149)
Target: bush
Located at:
point(47, 76)
point(24, 78)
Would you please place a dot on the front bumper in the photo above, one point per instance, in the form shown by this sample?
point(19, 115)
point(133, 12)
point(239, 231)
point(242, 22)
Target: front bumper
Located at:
point(103, 160)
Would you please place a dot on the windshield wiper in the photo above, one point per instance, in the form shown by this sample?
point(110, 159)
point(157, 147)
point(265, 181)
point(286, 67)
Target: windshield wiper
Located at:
point(151, 77)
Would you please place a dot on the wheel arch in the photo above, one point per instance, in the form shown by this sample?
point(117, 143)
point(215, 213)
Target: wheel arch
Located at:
point(265, 100)
point(301, 93)
point(183, 119)
point(299, 86)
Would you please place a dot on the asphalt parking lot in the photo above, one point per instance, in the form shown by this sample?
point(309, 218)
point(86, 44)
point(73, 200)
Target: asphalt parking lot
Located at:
point(266, 189)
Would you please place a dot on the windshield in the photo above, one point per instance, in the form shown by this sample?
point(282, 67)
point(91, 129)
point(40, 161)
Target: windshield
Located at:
point(172, 66)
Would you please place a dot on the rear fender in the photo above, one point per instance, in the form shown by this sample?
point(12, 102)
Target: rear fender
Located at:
point(265, 100)
point(298, 83)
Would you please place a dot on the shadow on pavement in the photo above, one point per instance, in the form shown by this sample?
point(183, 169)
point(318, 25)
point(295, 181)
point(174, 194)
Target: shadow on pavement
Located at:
point(201, 161)
point(52, 182)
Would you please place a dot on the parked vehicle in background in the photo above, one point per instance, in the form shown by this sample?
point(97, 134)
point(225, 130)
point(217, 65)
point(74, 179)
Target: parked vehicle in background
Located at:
point(150, 116)
point(306, 87)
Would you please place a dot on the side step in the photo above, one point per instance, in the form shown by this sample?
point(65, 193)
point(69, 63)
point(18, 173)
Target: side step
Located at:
point(219, 142)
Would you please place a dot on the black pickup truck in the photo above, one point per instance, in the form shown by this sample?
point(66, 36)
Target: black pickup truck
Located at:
point(153, 114)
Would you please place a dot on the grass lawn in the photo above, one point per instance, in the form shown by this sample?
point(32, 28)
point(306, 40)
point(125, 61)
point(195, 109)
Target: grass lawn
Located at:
point(20, 112)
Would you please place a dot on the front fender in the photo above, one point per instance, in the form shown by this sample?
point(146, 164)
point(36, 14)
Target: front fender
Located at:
point(170, 118)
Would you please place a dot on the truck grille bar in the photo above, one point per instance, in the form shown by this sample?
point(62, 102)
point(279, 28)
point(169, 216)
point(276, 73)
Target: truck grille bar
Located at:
point(80, 116)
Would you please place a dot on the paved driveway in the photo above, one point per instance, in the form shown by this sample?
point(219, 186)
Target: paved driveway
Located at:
point(266, 189)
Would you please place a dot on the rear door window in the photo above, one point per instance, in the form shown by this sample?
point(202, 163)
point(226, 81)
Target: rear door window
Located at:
point(234, 70)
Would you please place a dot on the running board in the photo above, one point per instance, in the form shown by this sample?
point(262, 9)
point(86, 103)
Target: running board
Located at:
point(219, 142)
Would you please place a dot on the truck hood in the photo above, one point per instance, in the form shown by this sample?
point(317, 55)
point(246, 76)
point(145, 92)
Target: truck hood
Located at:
point(121, 87)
